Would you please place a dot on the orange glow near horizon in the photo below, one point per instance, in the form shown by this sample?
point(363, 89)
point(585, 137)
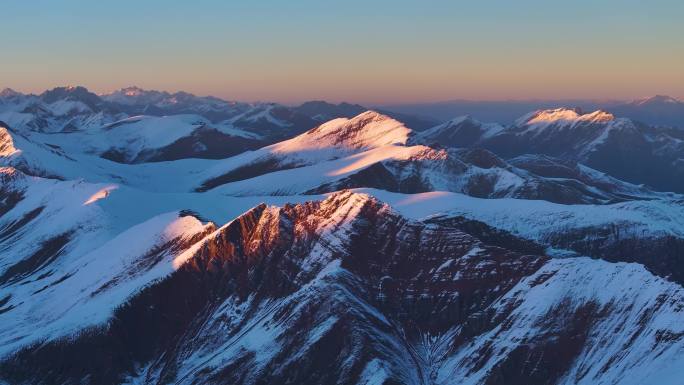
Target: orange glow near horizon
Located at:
point(381, 52)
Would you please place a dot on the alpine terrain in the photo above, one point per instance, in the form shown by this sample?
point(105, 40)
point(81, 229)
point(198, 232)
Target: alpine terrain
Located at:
point(149, 237)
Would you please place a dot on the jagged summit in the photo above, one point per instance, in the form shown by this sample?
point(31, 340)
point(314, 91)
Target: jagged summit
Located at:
point(72, 94)
point(268, 222)
point(134, 95)
point(63, 91)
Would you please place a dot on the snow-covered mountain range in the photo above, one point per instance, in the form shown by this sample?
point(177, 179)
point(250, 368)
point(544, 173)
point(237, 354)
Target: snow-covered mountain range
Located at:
point(658, 110)
point(152, 238)
point(621, 147)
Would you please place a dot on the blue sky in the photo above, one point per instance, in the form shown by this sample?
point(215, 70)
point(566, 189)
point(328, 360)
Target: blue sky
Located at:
point(362, 51)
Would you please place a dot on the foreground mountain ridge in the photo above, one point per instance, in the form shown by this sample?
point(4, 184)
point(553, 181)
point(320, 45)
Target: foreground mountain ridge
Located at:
point(339, 270)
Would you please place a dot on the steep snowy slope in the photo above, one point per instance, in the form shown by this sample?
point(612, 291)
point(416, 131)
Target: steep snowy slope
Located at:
point(311, 178)
point(577, 321)
point(332, 140)
point(366, 130)
point(71, 252)
point(348, 291)
point(56, 243)
point(34, 157)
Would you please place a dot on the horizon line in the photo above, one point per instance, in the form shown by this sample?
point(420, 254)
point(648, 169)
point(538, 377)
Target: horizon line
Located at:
point(369, 104)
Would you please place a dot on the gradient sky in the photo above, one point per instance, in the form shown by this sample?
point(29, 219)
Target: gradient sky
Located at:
point(361, 51)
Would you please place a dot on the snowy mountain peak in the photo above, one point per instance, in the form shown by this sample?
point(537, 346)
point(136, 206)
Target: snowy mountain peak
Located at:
point(369, 126)
point(370, 116)
point(563, 116)
point(367, 130)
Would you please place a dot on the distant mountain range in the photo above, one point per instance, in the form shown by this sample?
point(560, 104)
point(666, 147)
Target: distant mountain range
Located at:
point(621, 147)
point(269, 119)
point(658, 110)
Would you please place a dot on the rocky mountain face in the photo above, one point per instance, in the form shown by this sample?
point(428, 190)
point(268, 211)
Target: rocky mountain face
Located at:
point(347, 291)
point(154, 238)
